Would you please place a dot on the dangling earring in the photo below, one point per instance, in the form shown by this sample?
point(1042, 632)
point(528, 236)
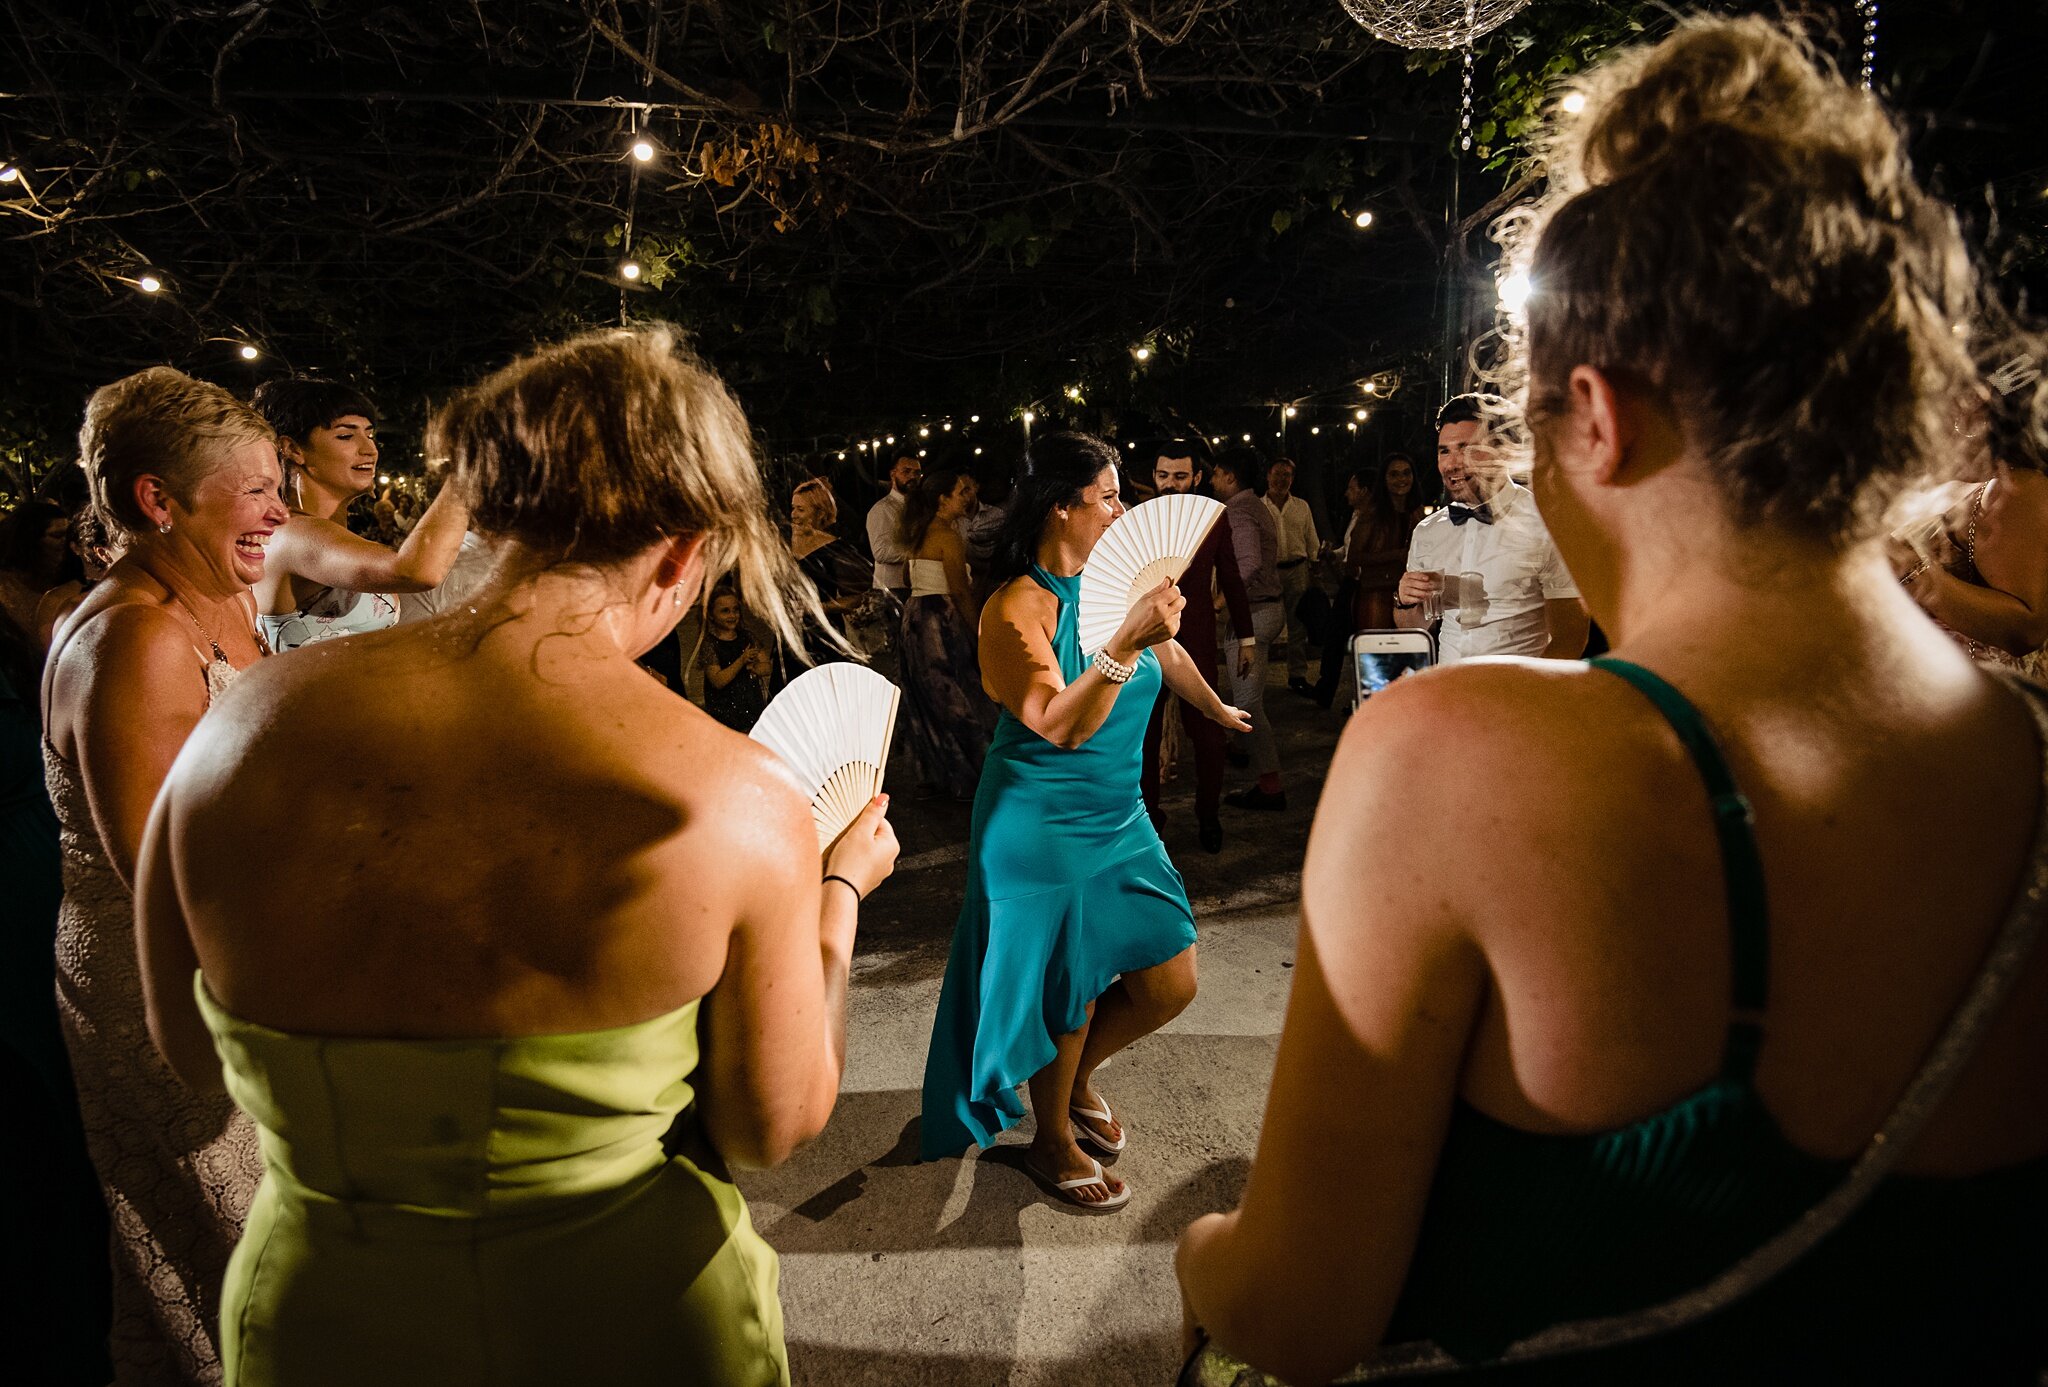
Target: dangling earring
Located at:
point(676, 593)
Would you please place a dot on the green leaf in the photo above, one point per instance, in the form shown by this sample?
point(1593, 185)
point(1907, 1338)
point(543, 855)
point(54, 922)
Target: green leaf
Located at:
point(1281, 221)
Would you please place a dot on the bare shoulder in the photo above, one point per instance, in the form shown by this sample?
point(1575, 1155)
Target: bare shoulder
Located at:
point(1018, 606)
point(126, 633)
point(748, 798)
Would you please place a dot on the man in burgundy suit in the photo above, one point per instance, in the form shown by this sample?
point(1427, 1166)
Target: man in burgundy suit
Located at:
point(1182, 465)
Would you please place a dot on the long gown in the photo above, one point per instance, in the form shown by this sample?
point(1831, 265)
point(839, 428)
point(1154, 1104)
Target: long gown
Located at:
point(521, 1212)
point(178, 1169)
point(1068, 887)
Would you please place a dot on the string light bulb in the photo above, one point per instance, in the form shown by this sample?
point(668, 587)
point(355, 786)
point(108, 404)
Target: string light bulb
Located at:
point(383, 479)
point(1352, 427)
point(923, 431)
point(1574, 103)
point(1289, 411)
point(862, 446)
point(642, 150)
point(1142, 353)
point(149, 284)
point(9, 174)
point(947, 427)
point(974, 418)
point(1030, 416)
point(890, 440)
point(1362, 220)
point(1315, 428)
point(1359, 415)
point(977, 451)
point(1514, 291)
point(249, 353)
point(630, 270)
point(842, 454)
point(1247, 438)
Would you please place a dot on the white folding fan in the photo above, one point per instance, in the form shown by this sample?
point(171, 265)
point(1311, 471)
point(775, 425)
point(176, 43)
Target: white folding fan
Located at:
point(1151, 541)
point(833, 725)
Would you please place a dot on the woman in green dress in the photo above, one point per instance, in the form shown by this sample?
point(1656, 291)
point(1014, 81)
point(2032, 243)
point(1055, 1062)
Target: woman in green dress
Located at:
point(547, 949)
point(1076, 937)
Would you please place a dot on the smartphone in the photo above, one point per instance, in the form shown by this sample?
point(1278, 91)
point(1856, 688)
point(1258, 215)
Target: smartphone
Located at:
point(1378, 658)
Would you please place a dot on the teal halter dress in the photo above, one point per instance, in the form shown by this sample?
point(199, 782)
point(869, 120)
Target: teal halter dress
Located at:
point(1068, 886)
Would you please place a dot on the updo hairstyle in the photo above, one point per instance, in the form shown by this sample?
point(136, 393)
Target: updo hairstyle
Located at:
point(1056, 469)
point(592, 450)
point(1733, 226)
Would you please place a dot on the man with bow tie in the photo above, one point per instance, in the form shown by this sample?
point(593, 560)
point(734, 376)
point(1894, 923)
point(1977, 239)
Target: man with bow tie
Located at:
point(1487, 555)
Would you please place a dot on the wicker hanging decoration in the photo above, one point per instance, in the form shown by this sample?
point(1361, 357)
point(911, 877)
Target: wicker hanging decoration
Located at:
point(1432, 23)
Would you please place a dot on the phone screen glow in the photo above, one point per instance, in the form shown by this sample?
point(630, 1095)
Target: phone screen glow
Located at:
point(1379, 668)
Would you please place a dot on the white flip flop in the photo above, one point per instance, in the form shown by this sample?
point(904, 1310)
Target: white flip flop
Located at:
point(1101, 1144)
point(1062, 1190)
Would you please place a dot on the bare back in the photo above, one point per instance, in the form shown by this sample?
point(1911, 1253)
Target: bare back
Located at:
point(409, 835)
point(1895, 828)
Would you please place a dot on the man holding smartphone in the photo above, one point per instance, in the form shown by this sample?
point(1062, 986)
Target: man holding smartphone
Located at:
point(1484, 566)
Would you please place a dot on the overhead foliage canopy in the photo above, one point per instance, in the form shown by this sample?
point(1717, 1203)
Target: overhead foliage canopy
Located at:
point(862, 211)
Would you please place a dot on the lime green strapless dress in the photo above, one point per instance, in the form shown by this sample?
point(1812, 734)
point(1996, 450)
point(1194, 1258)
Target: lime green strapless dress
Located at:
point(483, 1213)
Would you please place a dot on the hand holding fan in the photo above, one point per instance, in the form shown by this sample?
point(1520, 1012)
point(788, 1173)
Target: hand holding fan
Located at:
point(833, 725)
point(1152, 541)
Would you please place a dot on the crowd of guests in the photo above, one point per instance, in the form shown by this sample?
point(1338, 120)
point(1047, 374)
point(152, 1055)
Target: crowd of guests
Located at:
point(415, 992)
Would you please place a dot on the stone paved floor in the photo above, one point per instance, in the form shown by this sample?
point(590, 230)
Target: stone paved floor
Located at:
point(960, 1271)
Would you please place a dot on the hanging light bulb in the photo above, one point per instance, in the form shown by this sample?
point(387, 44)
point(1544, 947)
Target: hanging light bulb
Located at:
point(1030, 416)
point(921, 452)
point(1247, 438)
point(1362, 220)
point(947, 426)
point(249, 353)
point(891, 440)
point(1315, 428)
point(642, 150)
point(977, 452)
point(974, 418)
point(842, 454)
point(149, 284)
point(862, 446)
point(1142, 353)
point(923, 431)
point(630, 270)
point(1371, 387)
point(1359, 415)
point(1352, 427)
point(1289, 411)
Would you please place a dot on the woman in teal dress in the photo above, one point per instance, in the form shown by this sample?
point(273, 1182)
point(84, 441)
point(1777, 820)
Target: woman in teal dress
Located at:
point(549, 951)
point(1076, 937)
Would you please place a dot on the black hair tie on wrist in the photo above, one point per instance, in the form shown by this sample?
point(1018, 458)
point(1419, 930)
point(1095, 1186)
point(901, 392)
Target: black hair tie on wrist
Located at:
point(834, 876)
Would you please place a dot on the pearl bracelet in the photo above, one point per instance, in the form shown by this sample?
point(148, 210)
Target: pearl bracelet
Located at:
point(1115, 671)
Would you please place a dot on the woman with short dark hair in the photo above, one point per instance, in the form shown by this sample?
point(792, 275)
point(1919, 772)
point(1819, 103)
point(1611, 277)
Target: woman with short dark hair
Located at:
point(323, 581)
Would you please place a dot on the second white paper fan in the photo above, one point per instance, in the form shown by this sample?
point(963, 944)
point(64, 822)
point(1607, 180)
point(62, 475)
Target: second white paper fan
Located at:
point(1152, 540)
point(833, 725)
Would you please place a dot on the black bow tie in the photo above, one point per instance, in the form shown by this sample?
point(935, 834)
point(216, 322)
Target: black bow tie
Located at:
point(1460, 513)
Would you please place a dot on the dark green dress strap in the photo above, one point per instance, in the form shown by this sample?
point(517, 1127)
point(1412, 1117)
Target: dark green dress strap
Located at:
point(1742, 867)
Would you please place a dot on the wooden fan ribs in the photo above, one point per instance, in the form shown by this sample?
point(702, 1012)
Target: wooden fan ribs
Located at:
point(833, 726)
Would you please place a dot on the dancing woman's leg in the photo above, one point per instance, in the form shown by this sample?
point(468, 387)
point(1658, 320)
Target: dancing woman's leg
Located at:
point(1053, 1149)
point(1138, 1004)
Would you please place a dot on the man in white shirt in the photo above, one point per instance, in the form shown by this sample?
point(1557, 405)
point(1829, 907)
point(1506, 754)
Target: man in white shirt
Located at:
point(1487, 556)
point(892, 569)
point(1299, 545)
